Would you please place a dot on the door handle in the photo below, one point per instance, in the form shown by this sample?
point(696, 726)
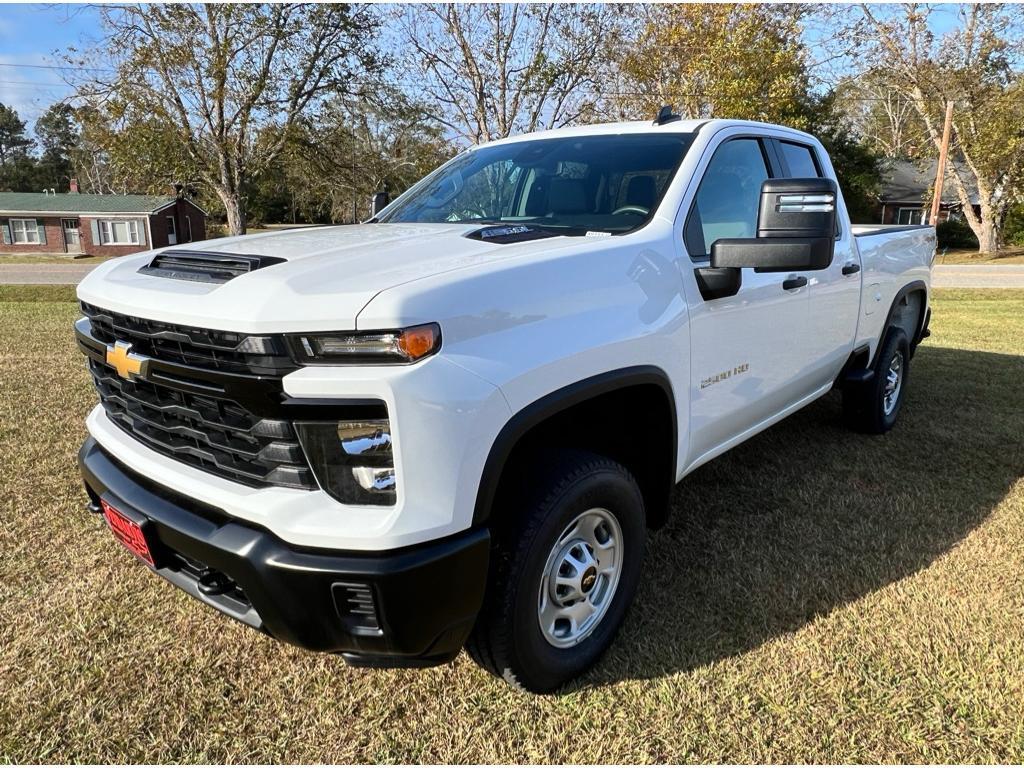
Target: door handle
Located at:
point(852, 268)
point(792, 283)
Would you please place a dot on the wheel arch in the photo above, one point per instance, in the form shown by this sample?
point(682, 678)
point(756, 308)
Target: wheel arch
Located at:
point(914, 292)
point(560, 419)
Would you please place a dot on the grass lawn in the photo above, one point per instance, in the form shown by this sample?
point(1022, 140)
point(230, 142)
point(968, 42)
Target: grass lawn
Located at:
point(50, 258)
point(818, 596)
point(1012, 255)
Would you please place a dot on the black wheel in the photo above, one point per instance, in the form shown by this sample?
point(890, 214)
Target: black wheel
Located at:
point(873, 407)
point(565, 566)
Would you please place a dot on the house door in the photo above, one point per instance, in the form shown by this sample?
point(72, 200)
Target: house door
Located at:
point(172, 233)
point(72, 238)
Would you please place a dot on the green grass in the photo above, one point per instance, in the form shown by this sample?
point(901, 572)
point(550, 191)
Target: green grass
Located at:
point(50, 258)
point(817, 596)
point(1011, 255)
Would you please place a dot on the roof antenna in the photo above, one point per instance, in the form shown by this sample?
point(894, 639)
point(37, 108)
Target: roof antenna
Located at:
point(666, 115)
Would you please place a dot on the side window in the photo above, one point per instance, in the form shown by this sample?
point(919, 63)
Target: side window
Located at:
point(800, 160)
point(728, 196)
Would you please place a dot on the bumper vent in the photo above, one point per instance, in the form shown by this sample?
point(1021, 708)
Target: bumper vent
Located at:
point(204, 267)
point(356, 607)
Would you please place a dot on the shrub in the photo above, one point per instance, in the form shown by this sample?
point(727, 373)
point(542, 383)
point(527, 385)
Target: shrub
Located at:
point(1013, 227)
point(955, 233)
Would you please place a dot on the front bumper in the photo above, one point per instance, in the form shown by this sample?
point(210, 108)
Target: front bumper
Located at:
point(413, 606)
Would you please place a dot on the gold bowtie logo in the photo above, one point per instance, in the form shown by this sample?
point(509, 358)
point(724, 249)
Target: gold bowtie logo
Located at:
point(126, 362)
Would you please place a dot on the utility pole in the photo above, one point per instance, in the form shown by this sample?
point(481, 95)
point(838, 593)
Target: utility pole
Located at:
point(940, 171)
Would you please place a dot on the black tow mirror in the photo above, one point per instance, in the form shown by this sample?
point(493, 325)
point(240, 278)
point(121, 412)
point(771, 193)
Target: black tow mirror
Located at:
point(796, 227)
point(379, 201)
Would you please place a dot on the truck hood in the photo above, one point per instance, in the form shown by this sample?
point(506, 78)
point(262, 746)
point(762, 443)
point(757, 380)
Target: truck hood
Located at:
point(328, 275)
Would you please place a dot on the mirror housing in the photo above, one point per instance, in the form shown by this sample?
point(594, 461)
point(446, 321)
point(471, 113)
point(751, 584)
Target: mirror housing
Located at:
point(796, 228)
point(379, 201)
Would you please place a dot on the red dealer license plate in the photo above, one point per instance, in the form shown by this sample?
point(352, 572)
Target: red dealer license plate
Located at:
point(128, 532)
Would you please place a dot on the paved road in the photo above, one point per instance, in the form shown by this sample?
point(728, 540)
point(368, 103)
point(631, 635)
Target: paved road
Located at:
point(28, 274)
point(978, 276)
point(945, 276)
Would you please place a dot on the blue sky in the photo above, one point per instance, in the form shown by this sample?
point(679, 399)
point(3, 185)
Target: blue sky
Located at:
point(33, 35)
point(30, 34)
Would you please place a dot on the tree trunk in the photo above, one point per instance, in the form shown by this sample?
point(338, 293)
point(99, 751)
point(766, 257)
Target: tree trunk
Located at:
point(236, 213)
point(989, 235)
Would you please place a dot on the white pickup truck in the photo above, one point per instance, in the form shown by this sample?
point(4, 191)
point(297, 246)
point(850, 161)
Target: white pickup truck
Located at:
point(453, 426)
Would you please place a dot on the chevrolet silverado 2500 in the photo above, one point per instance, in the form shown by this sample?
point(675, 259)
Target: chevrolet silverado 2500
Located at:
point(454, 425)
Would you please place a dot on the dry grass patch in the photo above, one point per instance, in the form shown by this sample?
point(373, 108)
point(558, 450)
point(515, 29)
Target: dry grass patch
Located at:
point(817, 596)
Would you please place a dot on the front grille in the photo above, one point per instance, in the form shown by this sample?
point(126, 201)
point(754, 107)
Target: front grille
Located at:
point(198, 347)
point(210, 433)
point(211, 422)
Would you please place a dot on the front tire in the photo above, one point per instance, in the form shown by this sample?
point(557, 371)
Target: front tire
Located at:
point(565, 567)
point(874, 407)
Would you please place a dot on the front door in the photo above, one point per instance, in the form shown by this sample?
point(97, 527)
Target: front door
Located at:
point(747, 353)
point(834, 292)
point(72, 238)
point(172, 233)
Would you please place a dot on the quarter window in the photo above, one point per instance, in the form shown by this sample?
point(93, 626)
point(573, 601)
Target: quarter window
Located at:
point(800, 160)
point(114, 232)
point(728, 197)
point(24, 231)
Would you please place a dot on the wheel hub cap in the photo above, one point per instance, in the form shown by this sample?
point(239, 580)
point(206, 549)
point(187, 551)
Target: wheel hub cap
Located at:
point(893, 384)
point(580, 578)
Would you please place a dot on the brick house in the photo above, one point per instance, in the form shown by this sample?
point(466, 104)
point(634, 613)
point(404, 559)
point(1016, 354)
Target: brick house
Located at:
point(906, 193)
point(96, 225)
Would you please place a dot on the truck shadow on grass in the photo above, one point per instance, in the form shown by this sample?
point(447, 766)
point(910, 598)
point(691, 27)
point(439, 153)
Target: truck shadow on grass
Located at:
point(808, 516)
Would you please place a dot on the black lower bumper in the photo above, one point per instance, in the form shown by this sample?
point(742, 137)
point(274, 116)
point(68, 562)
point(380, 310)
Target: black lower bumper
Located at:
point(413, 606)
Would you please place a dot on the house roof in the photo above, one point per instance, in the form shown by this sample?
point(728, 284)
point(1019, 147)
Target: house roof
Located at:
point(37, 202)
point(905, 182)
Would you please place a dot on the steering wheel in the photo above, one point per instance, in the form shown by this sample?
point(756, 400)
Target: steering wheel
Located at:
point(639, 209)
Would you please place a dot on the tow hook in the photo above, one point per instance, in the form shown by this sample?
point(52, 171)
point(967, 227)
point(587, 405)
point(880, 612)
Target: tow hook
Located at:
point(212, 583)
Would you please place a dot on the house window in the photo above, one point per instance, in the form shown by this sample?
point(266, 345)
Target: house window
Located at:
point(113, 232)
point(188, 229)
point(24, 231)
point(909, 216)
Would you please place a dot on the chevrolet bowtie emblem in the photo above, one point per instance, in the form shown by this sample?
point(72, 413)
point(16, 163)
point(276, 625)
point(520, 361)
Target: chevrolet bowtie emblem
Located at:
point(125, 362)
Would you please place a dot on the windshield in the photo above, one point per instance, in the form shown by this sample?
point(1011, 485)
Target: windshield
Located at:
point(577, 184)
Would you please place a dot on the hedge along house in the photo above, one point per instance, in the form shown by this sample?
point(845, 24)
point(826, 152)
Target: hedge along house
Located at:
point(96, 225)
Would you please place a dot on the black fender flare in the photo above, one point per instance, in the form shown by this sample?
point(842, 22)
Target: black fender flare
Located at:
point(911, 287)
point(553, 403)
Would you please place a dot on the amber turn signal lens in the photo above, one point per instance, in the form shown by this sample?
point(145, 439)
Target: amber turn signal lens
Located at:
point(419, 341)
point(368, 347)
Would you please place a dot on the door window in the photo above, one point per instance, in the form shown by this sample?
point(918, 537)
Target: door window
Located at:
point(728, 197)
point(800, 160)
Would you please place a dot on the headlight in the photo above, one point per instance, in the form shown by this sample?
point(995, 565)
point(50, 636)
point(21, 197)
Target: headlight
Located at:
point(406, 345)
point(352, 460)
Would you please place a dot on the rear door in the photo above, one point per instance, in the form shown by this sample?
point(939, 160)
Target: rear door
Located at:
point(747, 351)
point(834, 293)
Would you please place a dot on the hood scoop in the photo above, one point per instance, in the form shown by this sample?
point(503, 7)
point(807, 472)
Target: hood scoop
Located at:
point(501, 234)
point(205, 267)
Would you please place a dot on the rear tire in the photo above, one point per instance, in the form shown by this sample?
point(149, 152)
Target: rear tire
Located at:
point(566, 562)
point(873, 407)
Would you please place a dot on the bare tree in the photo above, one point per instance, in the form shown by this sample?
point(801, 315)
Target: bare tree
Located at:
point(223, 83)
point(882, 115)
point(494, 69)
point(978, 66)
